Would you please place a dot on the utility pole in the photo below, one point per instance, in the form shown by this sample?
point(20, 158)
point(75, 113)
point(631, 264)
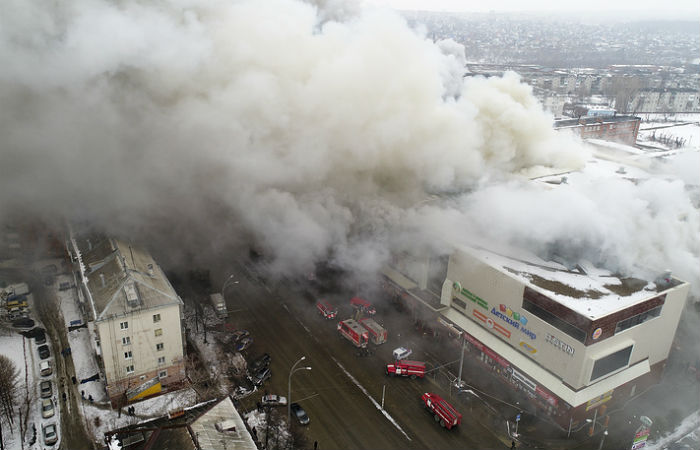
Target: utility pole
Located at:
point(461, 361)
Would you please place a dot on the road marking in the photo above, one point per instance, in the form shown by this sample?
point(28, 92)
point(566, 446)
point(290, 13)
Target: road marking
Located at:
point(376, 405)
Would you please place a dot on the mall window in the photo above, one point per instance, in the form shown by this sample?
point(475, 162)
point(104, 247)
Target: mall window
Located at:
point(156, 318)
point(611, 363)
point(638, 319)
point(128, 355)
point(459, 303)
point(555, 321)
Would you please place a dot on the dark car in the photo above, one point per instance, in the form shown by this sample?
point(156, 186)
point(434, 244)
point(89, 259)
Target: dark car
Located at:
point(46, 389)
point(261, 376)
point(44, 351)
point(299, 413)
point(260, 362)
point(24, 322)
point(37, 333)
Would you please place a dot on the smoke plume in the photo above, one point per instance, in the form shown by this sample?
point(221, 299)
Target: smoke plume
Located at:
point(313, 130)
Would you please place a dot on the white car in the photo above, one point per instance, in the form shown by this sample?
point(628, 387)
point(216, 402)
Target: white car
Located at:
point(273, 400)
point(50, 436)
point(402, 353)
point(47, 409)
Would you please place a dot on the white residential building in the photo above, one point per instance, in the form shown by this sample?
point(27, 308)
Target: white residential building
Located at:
point(136, 317)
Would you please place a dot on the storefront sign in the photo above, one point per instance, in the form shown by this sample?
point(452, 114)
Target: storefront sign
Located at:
point(490, 324)
point(524, 381)
point(528, 348)
point(597, 333)
point(491, 354)
point(603, 398)
point(561, 345)
point(513, 319)
point(457, 286)
point(473, 341)
point(549, 398)
point(640, 438)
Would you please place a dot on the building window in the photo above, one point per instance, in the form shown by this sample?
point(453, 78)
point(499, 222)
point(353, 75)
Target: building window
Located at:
point(159, 346)
point(130, 369)
point(611, 363)
point(124, 325)
point(156, 318)
point(127, 355)
point(126, 340)
point(555, 321)
point(459, 303)
point(638, 319)
point(158, 332)
point(163, 374)
point(161, 360)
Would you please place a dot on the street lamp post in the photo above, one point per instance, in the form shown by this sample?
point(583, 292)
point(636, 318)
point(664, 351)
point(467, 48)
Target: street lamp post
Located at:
point(223, 287)
point(605, 433)
point(289, 388)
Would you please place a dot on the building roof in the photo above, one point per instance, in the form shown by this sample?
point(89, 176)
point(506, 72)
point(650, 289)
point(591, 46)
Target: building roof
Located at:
point(195, 429)
point(593, 120)
point(122, 278)
point(210, 438)
point(588, 290)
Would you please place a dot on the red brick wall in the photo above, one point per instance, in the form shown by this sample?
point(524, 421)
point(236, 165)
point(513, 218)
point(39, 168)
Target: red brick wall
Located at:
point(608, 323)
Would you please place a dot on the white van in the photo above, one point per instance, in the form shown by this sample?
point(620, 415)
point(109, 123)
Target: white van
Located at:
point(45, 368)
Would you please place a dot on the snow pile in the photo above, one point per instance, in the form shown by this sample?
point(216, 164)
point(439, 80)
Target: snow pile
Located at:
point(689, 427)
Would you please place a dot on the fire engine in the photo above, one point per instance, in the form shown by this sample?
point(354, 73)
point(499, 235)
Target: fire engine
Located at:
point(363, 305)
point(442, 411)
point(326, 310)
point(377, 333)
point(354, 332)
point(406, 368)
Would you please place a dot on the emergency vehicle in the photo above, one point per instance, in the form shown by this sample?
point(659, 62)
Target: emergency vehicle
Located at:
point(377, 333)
point(363, 305)
point(406, 368)
point(442, 411)
point(326, 310)
point(354, 332)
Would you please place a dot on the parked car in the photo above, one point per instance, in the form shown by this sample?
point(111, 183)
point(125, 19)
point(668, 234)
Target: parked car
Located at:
point(46, 389)
point(50, 436)
point(273, 400)
point(243, 344)
point(37, 333)
point(45, 369)
point(23, 322)
point(242, 391)
point(402, 353)
point(260, 362)
point(44, 351)
point(261, 376)
point(299, 413)
point(47, 409)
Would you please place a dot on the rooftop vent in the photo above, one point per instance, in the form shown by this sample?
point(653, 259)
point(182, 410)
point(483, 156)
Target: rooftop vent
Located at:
point(664, 279)
point(621, 170)
point(132, 295)
point(226, 425)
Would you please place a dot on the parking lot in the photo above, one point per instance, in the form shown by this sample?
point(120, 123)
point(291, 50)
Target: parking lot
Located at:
point(342, 393)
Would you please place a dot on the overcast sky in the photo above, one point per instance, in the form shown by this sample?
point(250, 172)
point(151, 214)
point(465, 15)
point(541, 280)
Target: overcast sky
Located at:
point(676, 9)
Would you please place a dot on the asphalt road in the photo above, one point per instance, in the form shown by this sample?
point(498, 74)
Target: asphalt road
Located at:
point(284, 324)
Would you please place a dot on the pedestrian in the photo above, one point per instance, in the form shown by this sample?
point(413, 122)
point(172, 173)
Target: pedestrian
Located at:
point(90, 398)
point(315, 445)
point(512, 445)
point(83, 394)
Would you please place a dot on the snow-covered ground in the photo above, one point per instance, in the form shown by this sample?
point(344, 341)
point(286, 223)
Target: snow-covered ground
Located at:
point(665, 135)
point(102, 418)
point(688, 429)
point(23, 353)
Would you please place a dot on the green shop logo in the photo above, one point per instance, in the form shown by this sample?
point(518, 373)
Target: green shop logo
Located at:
point(457, 286)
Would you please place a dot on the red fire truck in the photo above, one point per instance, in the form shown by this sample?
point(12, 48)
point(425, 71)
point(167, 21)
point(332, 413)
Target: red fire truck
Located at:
point(354, 332)
point(326, 310)
point(406, 368)
point(442, 411)
point(377, 333)
point(363, 305)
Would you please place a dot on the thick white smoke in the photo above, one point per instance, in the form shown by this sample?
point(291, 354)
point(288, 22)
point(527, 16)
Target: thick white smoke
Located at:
point(222, 120)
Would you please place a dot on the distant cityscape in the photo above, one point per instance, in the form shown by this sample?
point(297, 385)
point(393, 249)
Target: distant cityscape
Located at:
point(575, 67)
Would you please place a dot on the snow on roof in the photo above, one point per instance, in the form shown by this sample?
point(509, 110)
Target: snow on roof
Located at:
point(588, 290)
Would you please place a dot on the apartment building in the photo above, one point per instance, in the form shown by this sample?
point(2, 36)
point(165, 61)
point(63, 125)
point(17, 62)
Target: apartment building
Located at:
point(135, 315)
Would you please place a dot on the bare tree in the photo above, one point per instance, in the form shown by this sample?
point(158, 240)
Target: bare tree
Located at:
point(9, 374)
